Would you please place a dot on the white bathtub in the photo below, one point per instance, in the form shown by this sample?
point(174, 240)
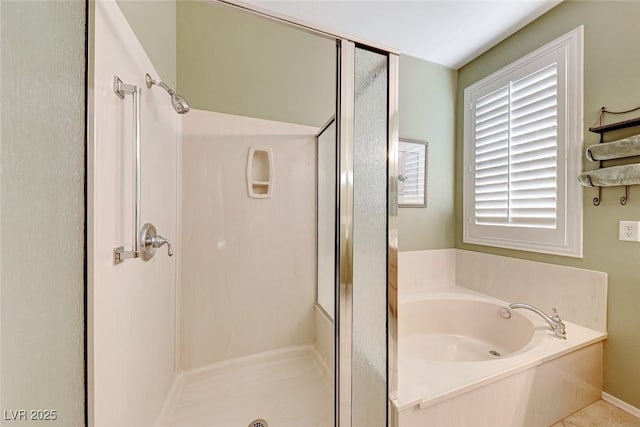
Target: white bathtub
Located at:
point(454, 330)
point(458, 357)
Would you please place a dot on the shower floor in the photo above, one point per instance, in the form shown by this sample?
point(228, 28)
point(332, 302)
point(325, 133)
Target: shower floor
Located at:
point(287, 388)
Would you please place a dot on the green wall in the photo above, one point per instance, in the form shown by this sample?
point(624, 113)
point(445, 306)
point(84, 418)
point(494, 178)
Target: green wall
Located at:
point(42, 168)
point(154, 23)
point(611, 79)
point(427, 112)
point(239, 63)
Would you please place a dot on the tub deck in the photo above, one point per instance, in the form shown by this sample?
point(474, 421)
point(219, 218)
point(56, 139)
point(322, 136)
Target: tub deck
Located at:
point(424, 383)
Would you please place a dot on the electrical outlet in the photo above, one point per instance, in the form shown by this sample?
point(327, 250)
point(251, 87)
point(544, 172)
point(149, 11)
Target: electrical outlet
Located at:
point(629, 231)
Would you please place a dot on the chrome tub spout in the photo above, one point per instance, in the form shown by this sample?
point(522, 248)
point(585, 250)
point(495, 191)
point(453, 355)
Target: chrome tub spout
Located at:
point(554, 321)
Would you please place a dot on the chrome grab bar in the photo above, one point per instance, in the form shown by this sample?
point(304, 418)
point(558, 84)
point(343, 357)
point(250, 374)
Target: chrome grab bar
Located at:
point(121, 89)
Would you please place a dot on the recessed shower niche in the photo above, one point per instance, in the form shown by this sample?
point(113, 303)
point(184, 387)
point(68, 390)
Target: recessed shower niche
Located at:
point(260, 172)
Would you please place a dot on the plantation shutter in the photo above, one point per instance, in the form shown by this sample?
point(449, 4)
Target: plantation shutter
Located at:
point(411, 162)
point(492, 158)
point(515, 175)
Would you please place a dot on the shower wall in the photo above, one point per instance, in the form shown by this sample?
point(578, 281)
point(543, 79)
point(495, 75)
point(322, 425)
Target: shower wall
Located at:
point(131, 306)
point(248, 266)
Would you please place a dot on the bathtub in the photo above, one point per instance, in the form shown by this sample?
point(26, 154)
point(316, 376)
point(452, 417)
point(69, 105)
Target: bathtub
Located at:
point(458, 359)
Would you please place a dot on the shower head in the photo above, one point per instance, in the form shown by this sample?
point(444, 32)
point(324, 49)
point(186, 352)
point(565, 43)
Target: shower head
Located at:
point(179, 103)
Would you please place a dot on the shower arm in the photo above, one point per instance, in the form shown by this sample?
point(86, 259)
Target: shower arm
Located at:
point(151, 81)
point(165, 87)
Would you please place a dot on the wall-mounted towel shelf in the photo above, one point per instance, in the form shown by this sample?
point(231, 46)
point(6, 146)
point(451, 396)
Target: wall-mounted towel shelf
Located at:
point(624, 175)
point(614, 126)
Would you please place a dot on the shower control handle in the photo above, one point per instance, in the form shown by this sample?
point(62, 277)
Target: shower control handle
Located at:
point(158, 241)
point(152, 241)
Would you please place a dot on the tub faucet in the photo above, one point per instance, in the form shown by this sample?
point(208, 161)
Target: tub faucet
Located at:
point(554, 321)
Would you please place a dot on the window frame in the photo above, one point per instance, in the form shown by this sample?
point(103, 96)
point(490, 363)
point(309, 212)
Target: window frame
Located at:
point(566, 238)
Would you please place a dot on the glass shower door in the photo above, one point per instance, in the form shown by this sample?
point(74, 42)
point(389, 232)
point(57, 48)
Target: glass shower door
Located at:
point(367, 208)
point(369, 350)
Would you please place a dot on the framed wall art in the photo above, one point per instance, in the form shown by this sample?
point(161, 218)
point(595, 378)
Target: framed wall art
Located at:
point(412, 173)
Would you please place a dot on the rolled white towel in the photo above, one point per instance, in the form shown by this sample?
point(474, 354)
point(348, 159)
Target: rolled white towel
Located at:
point(611, 177)
point(627, 147)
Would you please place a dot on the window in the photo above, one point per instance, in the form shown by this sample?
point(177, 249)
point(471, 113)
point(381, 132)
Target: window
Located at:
point(523, 144)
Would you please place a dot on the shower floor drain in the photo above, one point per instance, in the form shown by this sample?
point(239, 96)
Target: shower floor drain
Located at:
point(258, 423)
point(491, 352)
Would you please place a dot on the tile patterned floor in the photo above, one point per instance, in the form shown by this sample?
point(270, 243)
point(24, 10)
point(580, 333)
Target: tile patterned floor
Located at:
point(600, 414)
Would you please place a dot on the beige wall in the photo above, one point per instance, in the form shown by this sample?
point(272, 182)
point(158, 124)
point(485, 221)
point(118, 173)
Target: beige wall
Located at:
point(611, 68)
point(247, 265)
point(154, 23)
point(427, 111)
point(131, 318)
point(42, 209)
point(237, 63)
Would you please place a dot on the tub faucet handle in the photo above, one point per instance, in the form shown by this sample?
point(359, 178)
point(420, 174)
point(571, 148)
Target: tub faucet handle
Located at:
point(559, 328)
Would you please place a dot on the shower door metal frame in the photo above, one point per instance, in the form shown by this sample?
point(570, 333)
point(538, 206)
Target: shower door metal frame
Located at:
point(344, 253)
point(393, 133)
point(345, 215)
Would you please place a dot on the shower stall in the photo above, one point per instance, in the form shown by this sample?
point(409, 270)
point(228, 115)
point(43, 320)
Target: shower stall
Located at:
point(270, 297)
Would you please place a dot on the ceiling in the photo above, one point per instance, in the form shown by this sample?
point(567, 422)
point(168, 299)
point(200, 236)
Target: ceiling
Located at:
point(447, 32)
